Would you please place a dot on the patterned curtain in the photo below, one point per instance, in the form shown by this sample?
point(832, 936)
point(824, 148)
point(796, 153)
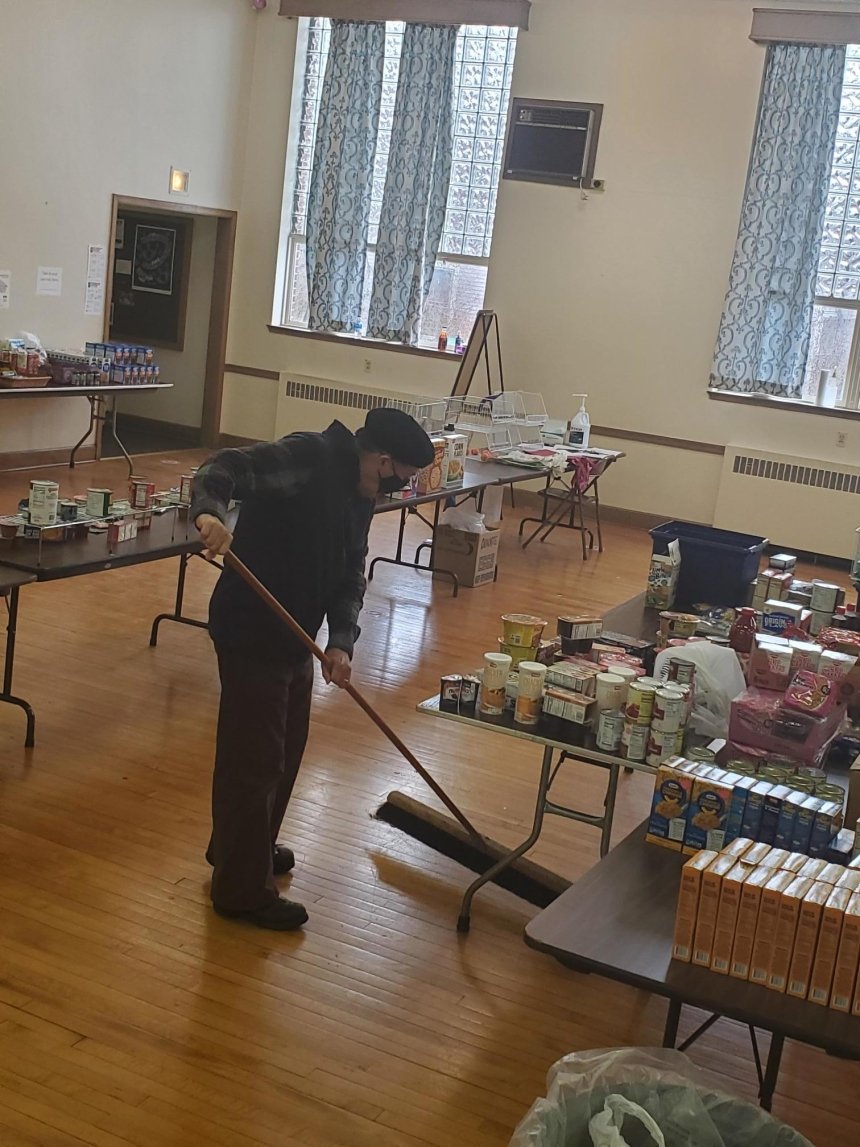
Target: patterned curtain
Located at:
point(763, 340)
point(416, 183)
point(342, 174)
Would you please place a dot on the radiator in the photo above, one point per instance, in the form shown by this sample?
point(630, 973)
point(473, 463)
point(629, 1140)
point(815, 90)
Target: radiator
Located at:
point(800, 503)
point(306, 403)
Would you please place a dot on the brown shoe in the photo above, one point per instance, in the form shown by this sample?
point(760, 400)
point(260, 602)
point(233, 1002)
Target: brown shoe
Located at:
point(277, 915)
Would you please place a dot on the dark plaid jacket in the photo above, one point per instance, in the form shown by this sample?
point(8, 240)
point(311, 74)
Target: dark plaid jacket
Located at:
point(302, 529)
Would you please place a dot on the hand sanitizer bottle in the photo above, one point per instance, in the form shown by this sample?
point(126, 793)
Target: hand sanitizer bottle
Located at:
point(579, 427)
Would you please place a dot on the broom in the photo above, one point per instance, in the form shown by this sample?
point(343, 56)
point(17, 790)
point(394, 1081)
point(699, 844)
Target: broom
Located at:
point(459, 840)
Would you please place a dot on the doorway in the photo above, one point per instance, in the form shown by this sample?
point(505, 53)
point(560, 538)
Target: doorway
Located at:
point(169, 279)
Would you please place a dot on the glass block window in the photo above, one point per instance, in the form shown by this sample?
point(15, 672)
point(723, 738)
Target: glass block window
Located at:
point(839, 262)
point(482, 84)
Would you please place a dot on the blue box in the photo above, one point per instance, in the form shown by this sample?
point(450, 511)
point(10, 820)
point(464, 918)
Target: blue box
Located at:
point(787, 818)
point(708, 812)
point(827, 822)
point(717, 566)
point(751, 823)
point(771, 811)
point(803, 824)
point(740, 788)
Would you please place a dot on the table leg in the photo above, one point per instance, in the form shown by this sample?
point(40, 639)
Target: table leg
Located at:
point(128, 458)
point(177, 608)
point(673, 1018)
point(8, 668)
point(771, 1071)
point(93, 401)
point(507, 860)
point(609, 809)
point(399, 560)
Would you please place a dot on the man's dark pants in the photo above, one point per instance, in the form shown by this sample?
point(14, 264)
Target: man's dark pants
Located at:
point(262, 731)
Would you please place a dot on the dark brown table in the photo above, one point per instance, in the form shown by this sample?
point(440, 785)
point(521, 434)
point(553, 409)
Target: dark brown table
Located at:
point(618, 921)
point(478, 477)
point(23, 562)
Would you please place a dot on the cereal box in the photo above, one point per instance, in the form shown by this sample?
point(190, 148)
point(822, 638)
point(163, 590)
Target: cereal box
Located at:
point(709, 901)
point(771, 811)
point(669, 805)
point(765, 932)
point(727, 915)
point(787, 817)
point(847, 958)
point(734, 823)
point(830, 933)
point(688, 904)
point(806, 939)
point(803, 824)
point(707, 814)
point(849, 878)
point(747, 922)
point(757, 853)
point(788, 914)
point(827, 822)
point(754, 807)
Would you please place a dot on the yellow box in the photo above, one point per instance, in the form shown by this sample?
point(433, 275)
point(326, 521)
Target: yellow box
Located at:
point(756, 854)
point(830, 933)
point(786, 929)
point(745, 929)
point(727, 916)
point(813, 868)
point(775, 859)
point(832, 874)
point(806, 939)
point(847, 958)
point(709, 902)
point(688, 904)
point(737, 847)
point(765, 932)
point(794, 862)
point(850, 878)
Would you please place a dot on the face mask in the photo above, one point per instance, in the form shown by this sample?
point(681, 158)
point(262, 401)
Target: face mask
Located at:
point(391, 485)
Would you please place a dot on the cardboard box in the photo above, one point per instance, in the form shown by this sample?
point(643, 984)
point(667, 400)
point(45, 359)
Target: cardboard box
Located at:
point(431, 478)
point(735, 820)
point(771, 812)
point(754, 807)
point(663, 578)
point(787, 819)
point(778, 615)
point(850, 878)
point(794, 862)
point(709, 902)
point(747, 922)
point(803, 822)
point(847, 958)
point(738, 848)
point(472, 557)
point(786, 929)
point(806, 939)
point(827, 822)
point(832, 874)
point(765, 932)
point(813, 868)
point(727, 916)
point(775, 859)
point(454, 467)
point(668, 821)
point(688, 904)
point(805, 655)
point(830, 933)
point(756, 854)
point(708, 813)
point(770, 664)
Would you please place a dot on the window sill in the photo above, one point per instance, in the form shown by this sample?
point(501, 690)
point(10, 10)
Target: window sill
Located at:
point(367, 344)
point(772, 402)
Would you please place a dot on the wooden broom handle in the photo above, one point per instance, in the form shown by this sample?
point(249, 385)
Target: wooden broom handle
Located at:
point(272, 602)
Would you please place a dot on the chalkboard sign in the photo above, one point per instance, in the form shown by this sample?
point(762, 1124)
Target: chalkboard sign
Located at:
point(152, 259)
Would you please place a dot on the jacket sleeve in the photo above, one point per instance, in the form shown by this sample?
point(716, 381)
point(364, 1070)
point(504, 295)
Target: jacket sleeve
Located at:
point(268, 467)
point(348, 598)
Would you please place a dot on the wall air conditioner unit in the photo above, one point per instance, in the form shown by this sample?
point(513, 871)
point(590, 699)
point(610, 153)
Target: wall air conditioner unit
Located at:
point(800, 503)
point(553, 142)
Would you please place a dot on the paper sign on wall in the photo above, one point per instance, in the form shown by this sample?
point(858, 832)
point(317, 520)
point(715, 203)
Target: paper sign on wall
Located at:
point(49, 281)
point(96, 268)
point(5, 288)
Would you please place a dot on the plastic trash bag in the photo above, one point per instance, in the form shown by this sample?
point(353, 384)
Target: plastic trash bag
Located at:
point(463, 518)
point(719, 680)
point(686, 1106)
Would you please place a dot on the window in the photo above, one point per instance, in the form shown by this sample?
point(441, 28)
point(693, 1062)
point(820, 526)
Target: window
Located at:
point(835, 336)
point(482, 85)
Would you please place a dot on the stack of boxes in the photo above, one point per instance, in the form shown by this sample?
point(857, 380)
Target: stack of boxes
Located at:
point(775, 918)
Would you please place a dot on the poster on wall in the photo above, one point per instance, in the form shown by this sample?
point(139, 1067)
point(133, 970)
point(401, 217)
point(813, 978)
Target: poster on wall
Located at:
point(5, 288)
point(49, 281)
point(96, 269)
point(152, 259)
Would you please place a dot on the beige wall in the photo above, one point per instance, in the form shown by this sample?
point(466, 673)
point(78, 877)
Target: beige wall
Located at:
point(120, 92)
point(619, 295)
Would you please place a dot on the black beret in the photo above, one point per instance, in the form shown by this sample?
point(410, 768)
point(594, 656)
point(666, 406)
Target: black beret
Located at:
point(396, 433)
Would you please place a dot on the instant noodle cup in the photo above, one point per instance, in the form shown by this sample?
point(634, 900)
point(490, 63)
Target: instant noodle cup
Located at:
point(522, 629)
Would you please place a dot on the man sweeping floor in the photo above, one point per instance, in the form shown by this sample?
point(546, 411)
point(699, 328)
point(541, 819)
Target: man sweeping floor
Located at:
point(306, 507)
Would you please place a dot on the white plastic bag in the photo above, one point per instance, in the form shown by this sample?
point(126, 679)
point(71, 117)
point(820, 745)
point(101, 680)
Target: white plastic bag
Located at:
point(464, 518)
point(718, 681)
point(606, 1126)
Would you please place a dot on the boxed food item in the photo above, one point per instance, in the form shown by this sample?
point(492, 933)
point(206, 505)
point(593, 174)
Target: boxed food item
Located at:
point(734, 822)
point(776, 859)
point(803, 822)
point(771, 812)
point(777, 616)
point(757, 853)
point(775, 584)
point(578, 678)
point(794, 862)
point(455, 459)
point(760, 720)
point(738, 848)
point(806, 939)
point(813, 868)
point(708, 812)
point(847, 958)
point(663, 578)
point(727, 915)
point(849, 878)
point(782, 561)
point(830, 933)
point(688, 904)
point(709, 902)
point(668, 820)
point(810, 693)
point(751, 822)
point(747, 922)
point(471, 557)
point(805, 657)
point(787, 818)
point(770, 664)
point(431, 478)
point(788, 915)
point(765, 933)
point(827, 822)
point(568, 706)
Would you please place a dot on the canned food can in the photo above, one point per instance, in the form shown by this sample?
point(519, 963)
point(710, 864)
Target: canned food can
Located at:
point(830, 792)
point(141, 492)
point(68, 511)
point(701, 755)
point(802, 784)
point(670, 710)
point(610, 729)
point(98, 502)
point(185, 481)
point(469, 692)
point(681, 671)
point(661, 746)
point(44, 501)
point(449, 692)
point(742, 767)
point(634, 741)
point(824, 597)
point(640, 702)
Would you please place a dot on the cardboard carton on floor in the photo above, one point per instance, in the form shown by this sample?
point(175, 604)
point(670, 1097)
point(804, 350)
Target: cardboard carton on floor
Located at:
point(472, 557)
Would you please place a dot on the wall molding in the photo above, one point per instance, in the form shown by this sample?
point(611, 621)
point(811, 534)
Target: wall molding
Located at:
point(32, 459)
point(787, 405)
point(188, 434)
point(235, 441)
point(659, 440)
point(251, 371)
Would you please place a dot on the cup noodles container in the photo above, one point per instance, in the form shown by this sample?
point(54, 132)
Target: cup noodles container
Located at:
point(522, 629)
point(669, 805)
point(688, 904)
point(829, 936)
point(709, 900)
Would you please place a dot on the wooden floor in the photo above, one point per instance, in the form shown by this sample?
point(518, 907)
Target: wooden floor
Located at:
point(130, 1014)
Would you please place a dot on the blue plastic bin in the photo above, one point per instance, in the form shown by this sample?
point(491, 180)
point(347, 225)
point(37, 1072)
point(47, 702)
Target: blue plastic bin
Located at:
point(717, 566)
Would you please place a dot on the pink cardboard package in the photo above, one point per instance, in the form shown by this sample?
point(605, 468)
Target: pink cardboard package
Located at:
point(761, 719)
